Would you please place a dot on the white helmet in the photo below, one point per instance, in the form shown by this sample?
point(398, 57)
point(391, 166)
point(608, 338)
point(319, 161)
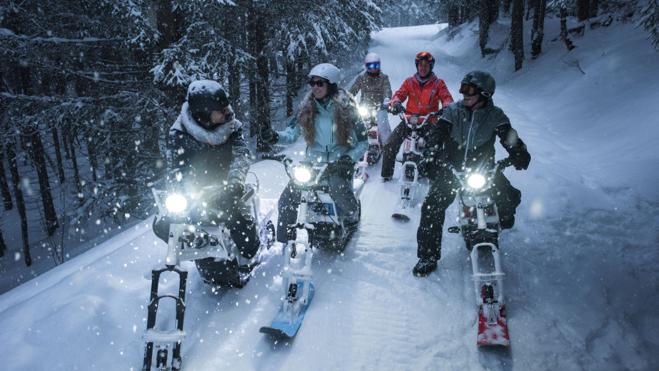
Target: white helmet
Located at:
point(371, 58)
point(327, 71)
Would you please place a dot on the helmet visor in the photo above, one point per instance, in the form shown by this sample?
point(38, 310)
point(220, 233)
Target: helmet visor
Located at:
point(469, 89)
point(373, 66)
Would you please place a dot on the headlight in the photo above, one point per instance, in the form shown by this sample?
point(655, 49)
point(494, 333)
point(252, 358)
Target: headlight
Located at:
point(302, 174)
point(414, 119)
point(363, 111)
point(476, 181)
point(176, 203)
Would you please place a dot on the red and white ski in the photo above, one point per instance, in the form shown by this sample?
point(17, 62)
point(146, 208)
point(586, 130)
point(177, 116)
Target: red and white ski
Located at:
point(492, 326)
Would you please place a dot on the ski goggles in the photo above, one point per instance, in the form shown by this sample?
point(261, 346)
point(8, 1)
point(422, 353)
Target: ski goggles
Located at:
point(373, 66)
point(318, 83)
point(469, 89)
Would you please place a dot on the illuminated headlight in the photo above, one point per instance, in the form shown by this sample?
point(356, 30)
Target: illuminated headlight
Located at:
point(363, 111)
point(302, 174)
point(176, 203)
point(476, 181)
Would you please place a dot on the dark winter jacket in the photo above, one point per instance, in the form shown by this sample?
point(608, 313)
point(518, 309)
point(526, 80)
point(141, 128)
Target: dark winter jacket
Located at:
point(466, 137)
point(374, 88)
point(198, 157)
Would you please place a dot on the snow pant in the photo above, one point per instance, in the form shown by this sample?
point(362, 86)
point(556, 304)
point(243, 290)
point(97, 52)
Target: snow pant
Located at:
point(393, 146)
point(240, 223)
point(441, 194)
point(384, 130)
point(340, 189)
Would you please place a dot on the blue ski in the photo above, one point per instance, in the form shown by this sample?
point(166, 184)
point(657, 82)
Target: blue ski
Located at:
point(283, 325)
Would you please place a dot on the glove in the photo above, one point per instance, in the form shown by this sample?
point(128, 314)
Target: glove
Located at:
point(396, 107)
point(521, 160)
point(270, 136)
point(231, 195)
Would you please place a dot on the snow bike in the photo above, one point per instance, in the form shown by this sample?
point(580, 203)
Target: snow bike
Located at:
point(479, 225)
point(325, 229)
point(410, 158)
point(197, 232)
point(371, 114)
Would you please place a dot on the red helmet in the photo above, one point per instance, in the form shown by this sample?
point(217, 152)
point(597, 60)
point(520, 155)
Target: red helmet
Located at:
point(424, 56)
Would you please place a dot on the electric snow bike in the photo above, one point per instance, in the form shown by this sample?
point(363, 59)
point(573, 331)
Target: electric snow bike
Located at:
point(197, 232)
point(411, 157)
point(369, 114)
point(479, 225)
point(318, 226)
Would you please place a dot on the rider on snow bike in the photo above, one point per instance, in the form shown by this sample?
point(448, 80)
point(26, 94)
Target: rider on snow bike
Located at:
point(375, 88)
point(206, 148)
point(425, 93)
point(334, 134)
point(464, 139)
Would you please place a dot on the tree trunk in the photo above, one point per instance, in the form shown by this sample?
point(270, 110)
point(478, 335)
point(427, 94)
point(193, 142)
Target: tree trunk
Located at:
point(564, 36)
point(291, 82)
point(453, 14)
point(262, 84)
point(594, 8)
point(6, 194)
point(537, 33)
point(517, 33)
point(530, 4)
point(39, 160)
point(583, 9)
point(58, 153)
point(506, 7)
point(3, 245)
point(494, 10)
point(251, 71)
point(91, 153)
point(483, 24)
point(234, 86)
point(20, 201)
point(76, 172)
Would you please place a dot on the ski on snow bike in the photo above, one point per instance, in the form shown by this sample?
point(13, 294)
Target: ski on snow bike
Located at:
point(478, 222)
point(318, 226)
point(411, 157)
point(371, 115)
point(197, 232)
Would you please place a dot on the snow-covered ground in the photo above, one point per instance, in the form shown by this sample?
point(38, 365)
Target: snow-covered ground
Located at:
point(581, 280)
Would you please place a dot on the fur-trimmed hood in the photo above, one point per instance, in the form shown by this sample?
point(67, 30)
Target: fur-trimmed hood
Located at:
point(186, 124)
point(343, 109)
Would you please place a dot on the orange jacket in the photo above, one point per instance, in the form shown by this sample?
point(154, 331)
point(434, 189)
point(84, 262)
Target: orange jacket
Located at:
point(424, 99)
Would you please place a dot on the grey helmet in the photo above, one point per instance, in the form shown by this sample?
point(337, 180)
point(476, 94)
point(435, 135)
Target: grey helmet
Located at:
point(483, 81)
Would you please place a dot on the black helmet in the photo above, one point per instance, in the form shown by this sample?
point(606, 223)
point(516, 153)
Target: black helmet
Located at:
point(204, 97)
point(482, 80)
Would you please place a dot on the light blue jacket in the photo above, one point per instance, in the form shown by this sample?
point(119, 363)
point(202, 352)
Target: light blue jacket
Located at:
point(325, 147)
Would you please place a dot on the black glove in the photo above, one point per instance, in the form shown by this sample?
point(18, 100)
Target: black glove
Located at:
point(269, 136)
point(396, 108)
point(231, 195)
point(521, 160)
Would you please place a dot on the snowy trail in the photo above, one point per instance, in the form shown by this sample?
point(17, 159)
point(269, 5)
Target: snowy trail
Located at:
point(581, 284)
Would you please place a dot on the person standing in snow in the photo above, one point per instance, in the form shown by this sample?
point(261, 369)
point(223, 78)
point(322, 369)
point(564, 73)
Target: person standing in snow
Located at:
point(205, 147)
point(375, 87)
point(333, 131)
point(425, 93)
point(464, 138)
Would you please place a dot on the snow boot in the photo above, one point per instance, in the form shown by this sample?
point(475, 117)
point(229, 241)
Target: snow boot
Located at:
point(424, 267)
